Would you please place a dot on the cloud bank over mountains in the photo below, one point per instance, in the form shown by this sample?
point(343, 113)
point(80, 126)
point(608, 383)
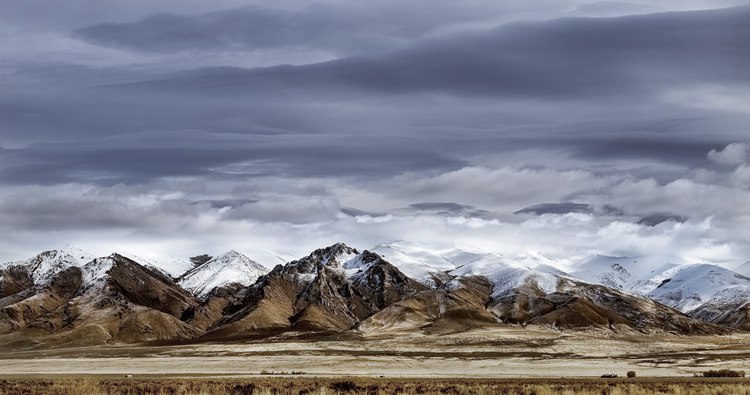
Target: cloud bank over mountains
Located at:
point(567, 128)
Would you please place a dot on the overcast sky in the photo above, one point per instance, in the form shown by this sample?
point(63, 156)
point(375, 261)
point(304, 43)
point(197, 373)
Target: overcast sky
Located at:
point(565, 128)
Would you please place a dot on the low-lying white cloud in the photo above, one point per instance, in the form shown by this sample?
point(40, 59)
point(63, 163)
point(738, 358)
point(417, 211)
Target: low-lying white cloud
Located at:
point(291, 216)
point(732, 154)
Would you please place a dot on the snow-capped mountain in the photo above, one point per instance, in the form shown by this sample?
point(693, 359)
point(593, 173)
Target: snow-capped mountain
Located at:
point(668, 280)
point(331, 289)
point(628, 273)
point(486, 288)
point(229, 268)
point(338, 257)
point(504, 275)
point(335, 256)
point(703, 291)
point(433, 266)
point(688, 287)
point(112, 299)
point(45, 265)
point(420, 263)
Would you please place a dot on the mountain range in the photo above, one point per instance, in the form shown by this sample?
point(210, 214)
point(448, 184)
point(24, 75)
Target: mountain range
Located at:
point(69, 298)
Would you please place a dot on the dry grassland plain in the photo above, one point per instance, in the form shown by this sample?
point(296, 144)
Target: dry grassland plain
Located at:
point(493, 361)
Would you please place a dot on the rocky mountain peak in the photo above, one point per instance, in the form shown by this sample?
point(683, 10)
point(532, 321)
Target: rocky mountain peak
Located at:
point(232, 254)
point(334, 255)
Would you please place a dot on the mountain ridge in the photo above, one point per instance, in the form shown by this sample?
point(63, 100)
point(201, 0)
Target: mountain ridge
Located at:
point(55, 299)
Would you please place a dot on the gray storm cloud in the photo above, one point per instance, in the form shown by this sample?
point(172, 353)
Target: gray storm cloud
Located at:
point(195, 127)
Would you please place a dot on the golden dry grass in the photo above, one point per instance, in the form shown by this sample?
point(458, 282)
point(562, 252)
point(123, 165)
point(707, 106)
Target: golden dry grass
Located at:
point(379, 386)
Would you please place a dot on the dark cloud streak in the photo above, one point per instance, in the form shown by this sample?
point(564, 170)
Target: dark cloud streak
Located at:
point(569, 58)
point(240, 156)
point(251, 28)
point(557, 208)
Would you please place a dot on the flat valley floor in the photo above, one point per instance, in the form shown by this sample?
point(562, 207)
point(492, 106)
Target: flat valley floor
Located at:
point(507, 354)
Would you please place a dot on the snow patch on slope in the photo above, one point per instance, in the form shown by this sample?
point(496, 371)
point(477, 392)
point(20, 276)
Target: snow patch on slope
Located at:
point(95, 272)
point(355, 265)
point(422, 263)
